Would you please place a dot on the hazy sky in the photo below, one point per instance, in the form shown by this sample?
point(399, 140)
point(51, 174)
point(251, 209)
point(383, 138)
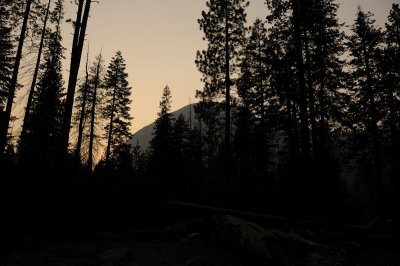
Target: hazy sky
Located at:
point(159, 40)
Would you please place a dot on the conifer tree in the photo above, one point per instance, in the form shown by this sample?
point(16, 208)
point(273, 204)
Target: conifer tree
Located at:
point(6, 117)
point(161, 147)
point(254, 77)
point(254, 93)
point(364, 45)
point(391, 72)
point(391, 83)
point(283, 76)
point(117, 107)
point(287, 34)
point(6, 56)
point(305, 51)
point(96, 81)
point(324, 42)
point(161, 141)
point(297, 6)
point(223, 25)
point(180, 154)
point(44, 128)
point(36, 72)
point(81, 116)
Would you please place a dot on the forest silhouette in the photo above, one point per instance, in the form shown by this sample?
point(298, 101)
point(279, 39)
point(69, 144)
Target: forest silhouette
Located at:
point(297, 118)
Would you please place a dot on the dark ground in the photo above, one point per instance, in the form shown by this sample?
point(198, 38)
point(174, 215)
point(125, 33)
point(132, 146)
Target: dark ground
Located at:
point(174, 245)
point(195, 250)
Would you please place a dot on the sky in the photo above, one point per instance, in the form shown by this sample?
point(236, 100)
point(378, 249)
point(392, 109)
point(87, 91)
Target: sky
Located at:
point(159, 40)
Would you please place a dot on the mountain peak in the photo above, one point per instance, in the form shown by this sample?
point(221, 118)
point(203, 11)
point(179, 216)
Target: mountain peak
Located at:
point(143, 136)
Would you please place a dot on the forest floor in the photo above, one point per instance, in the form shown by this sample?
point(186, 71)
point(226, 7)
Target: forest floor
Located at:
point(174, 245)
point(195, 251)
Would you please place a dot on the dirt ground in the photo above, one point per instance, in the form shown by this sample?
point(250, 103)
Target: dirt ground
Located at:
point(191, 251)
point(176, 246)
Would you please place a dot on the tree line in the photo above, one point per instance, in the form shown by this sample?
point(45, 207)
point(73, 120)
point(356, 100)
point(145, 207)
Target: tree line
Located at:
point(297, 117)
point(63, 129)
point(311, 112)
point(48, 113)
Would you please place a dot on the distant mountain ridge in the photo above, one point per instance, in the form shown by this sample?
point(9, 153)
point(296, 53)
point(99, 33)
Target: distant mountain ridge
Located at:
point(145, 135)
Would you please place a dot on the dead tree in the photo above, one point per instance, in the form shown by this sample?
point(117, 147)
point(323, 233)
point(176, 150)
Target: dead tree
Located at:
point(5, 123)
point(35, 75)
point(76, 54)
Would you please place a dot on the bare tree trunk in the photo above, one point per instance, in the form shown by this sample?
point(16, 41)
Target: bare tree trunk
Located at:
point(93, 116)
point(77, 47)
point(83, 113)
point(227, 94)
point(108, 152)
point(4, 125)
point(35, 74)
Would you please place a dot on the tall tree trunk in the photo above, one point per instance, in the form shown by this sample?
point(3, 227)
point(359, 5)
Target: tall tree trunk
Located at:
point(4, 125)
point(93, 116)
point(304, 132)
point(34, 79)
point(77, 47)
point(190, 114)
point(323, 124)
point(262, 93)
point(394, 156)
point(227, 94)
point(375, 137)
point(291, 118)
point(311, 98)
point(83, 113)
point(108, 152)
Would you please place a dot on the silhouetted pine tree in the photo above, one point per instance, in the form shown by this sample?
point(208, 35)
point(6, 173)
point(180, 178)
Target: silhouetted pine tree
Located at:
point(364, 46)
point(195, 159)
point(223, 25)
point(42, 140)
point(87, 118)
point(283, 78)
point(287, 37)
point(163, 125)
point(139, 160)
point(5, 123)
point(161, 147)
point(117, 108)
point(36, 71)
point(6, 57)
point(82, 112)
point(324, 48)
point(96, 81)
point(254, 94)
point(297, 7)
point(181, 156)
point(305, 44)
point(391, 83)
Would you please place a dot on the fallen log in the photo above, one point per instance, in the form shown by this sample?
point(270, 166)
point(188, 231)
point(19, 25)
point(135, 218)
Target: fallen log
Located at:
point(274, 247)
point(278, 222)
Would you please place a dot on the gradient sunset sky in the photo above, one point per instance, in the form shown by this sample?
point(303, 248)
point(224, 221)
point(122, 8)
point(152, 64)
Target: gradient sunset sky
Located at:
point(159, 40)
